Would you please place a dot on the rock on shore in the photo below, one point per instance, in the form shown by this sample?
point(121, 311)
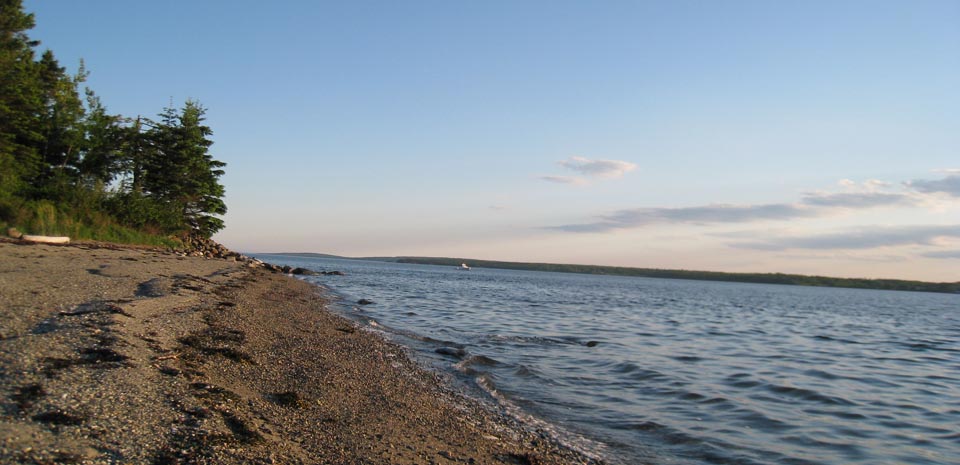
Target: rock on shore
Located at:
point(113, 355)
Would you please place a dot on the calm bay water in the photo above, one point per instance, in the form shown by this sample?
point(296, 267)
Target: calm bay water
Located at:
point(660, 371)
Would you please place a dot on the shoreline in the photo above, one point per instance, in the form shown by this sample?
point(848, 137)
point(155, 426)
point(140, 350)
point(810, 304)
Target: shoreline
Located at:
point(128, 355)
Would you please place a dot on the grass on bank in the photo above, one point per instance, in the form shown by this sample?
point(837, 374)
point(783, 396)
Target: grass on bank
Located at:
point(42, 217)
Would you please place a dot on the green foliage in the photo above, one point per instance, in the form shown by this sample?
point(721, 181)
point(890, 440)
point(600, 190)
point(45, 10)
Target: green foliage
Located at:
point(67, 166)
point(180, 170)
point(20, 100)
point(46, 218)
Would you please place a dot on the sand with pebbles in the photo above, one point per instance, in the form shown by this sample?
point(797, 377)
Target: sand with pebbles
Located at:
point(123, 355)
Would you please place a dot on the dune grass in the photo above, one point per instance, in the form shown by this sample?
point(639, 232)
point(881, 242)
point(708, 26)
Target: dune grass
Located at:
point(45, 218)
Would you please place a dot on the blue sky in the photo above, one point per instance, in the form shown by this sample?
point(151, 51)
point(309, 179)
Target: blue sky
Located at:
point(810, 137)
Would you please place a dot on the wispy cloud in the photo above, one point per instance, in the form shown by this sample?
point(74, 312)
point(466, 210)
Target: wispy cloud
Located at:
point(590, 169)
point(638, 217)
point(944, 254)
point(598, 168)
point(858, 199)
point(867, 237)
point(949, 185)
point(564, 180)
point(869, 194)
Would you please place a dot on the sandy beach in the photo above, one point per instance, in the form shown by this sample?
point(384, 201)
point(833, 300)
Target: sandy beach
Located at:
point(124, 355)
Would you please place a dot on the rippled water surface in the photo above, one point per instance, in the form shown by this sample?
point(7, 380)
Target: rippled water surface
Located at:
point(684, 372)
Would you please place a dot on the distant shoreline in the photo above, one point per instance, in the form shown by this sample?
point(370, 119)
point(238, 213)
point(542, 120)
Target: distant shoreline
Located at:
point(755, 278)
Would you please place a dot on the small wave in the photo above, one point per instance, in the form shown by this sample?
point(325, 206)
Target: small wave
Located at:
point(877, 382)
point(806, 394)
point(634, 372)
point(527, 340)
point(849, 450)
point(457, 352)
point(662, 432)
point(758, 420)
point(931, 345)
point(485, 381)
point(692, 396)
point(430, 340)
point(688, 358)
point(742, 383)
point(843, 415)
point(641, 426)
point(525, 371)
point(821, 337)
point(481, 360)
point(466, 366)
point(715, 400)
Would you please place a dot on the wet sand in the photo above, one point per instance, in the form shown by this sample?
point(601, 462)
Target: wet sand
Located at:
point(122, 355)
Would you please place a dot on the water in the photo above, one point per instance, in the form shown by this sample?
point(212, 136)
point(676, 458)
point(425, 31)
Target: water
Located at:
point(683, 372)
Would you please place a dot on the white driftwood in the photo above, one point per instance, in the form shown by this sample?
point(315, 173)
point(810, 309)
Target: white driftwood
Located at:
point(46, 239)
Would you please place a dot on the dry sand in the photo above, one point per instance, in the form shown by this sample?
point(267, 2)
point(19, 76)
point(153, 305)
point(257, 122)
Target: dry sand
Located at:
point(120, 355)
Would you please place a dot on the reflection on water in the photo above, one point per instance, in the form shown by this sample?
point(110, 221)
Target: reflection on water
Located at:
point(685, 372)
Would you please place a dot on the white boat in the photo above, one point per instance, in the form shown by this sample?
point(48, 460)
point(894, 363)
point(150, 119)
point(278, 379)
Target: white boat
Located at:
point(463, 267)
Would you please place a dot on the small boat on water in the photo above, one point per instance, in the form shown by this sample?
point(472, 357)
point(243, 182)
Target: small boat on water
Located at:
point(463, 267)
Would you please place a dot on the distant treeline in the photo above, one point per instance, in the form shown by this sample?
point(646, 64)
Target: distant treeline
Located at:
point(68, 166)
point(764, 278)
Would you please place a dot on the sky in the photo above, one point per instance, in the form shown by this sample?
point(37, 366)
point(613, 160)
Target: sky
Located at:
point(816, 137)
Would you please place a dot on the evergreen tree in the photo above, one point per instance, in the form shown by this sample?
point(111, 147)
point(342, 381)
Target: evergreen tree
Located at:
point(62, 156)
point(102, 154)
point(62, 123)
point(180, 171)
point(20, 100)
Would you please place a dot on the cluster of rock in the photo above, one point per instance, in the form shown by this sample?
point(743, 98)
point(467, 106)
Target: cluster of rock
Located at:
point(291, 270)
point(198, 246)
point(306, 272)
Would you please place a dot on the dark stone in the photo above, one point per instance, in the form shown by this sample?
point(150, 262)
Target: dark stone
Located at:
point(96, 355)
point(152, 288)
point(334, 273)
point(59, 417)
point(303, 271)
point(288, 399)
point(170, 371)
point(27, 395)
point(241, 431)
point(365, 302)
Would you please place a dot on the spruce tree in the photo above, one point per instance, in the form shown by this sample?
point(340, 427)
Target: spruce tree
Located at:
point(181, 173)
point(69, 158)
point(20, 100)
